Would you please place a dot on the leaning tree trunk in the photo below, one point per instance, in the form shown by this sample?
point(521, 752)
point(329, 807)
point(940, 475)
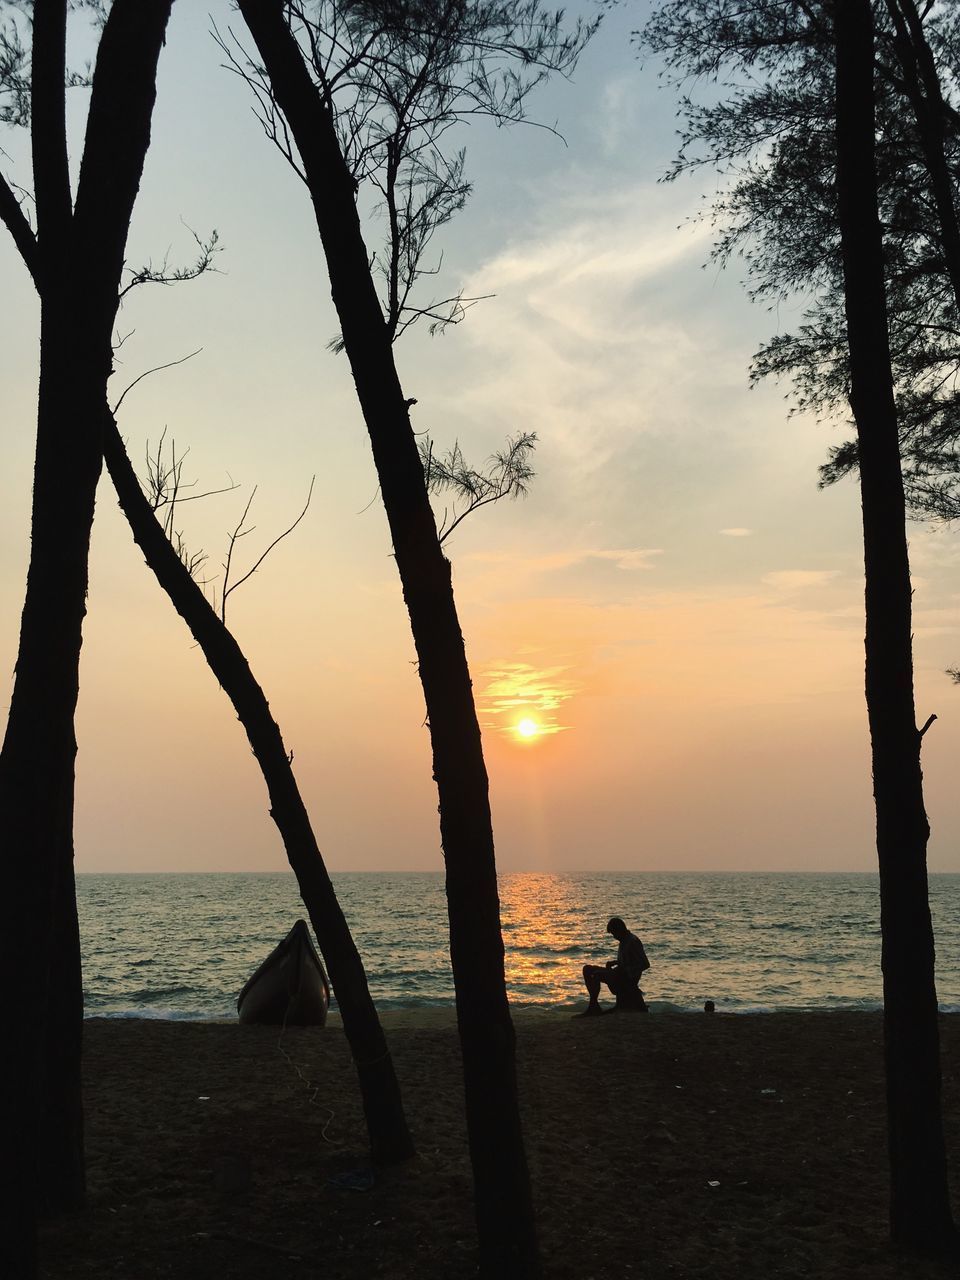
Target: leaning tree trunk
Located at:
point(76, 260)
point(920, 1215)
point(390, 1140)
point(503, 1202)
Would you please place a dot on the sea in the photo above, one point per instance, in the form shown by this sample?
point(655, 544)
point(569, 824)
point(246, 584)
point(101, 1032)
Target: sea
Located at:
point(180, 946)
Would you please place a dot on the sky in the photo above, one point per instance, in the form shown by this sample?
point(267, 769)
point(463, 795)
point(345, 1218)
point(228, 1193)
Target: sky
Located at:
point(675, 603)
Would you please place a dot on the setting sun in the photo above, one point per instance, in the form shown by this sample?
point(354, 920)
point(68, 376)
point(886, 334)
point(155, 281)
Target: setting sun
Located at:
point(523, 702)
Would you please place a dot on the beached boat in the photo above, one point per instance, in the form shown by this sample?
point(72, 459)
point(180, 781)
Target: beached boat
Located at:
point(290, 988)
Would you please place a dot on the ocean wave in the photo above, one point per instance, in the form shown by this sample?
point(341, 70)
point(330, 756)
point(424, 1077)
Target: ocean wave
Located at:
point(152, 1013)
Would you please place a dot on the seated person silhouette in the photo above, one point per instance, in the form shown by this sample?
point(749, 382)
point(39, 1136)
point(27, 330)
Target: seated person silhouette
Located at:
point(621, 976)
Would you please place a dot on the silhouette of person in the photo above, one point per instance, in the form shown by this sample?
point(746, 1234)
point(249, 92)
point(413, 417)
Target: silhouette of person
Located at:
point(622, 975)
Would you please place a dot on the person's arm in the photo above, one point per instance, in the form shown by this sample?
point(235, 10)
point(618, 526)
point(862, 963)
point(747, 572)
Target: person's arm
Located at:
point(634, 957)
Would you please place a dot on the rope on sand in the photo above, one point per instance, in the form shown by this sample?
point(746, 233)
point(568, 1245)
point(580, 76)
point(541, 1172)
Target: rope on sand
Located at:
point(312, 1085)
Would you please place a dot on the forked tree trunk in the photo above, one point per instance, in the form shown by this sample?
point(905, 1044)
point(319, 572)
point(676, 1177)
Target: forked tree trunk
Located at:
point(390, 1140)
point(503, 1202)
point(76, 260)
point(920, 1216)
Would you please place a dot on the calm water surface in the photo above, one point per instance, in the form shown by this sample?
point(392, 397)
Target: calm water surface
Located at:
point(181, 946)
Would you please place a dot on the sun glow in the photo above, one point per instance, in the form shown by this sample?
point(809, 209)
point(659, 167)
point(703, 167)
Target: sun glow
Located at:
point(522, 702)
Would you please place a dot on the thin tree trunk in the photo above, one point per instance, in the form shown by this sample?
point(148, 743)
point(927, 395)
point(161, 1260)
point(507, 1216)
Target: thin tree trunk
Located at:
point(923, 89)
point(390, 1140)
point(76, 260)
point(920, 1216)
point(503, 1201)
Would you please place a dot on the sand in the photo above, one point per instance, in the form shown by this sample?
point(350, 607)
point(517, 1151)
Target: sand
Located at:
point(666, 1145)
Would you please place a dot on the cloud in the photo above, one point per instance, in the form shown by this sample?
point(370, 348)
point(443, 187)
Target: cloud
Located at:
point(517, 689)
point(577, 255)
point(679, 651)
point(603, 338)
point(618, 120)
point(626, 558)
point(579, 331)
point(737, 533)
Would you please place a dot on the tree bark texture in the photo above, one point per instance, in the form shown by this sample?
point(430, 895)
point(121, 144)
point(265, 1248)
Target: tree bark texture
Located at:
point(503, 1201)
point(920, 1216)
point(390, 1140)
point(76, 260)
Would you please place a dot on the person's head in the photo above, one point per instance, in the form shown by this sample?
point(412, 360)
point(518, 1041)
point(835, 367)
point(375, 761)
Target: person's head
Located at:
point(616, 926)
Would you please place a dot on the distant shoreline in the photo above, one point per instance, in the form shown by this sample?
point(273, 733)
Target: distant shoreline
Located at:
point(444, 1015)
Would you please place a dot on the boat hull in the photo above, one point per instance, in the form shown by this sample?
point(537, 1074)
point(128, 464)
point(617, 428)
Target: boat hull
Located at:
point(290, 988)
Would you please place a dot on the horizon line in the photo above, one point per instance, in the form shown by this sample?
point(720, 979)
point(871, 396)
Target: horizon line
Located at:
point(582, 871)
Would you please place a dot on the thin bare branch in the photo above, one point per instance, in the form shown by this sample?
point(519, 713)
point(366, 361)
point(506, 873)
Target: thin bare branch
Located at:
point(240, 532)
point(163, 487)
point(156, 369)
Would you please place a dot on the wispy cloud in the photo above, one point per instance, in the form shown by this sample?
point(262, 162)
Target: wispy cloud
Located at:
point(578, 255)
point(577, 325)
point(667, 650)
point(737, 533)
point(590, 341)
point(626, 558)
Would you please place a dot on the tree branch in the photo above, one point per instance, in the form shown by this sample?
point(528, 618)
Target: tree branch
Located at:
point(156, 369)
point(14, 219)
point(508, 476)
point(48, 132)
point(167, 275)
point(238, 534)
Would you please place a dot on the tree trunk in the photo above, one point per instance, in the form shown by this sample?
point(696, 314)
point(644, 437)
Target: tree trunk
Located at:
point(923, 89)
point(390, 1140)
point(76, 262)
point(37, 774)
point(503, 1202)
point(920, 1215)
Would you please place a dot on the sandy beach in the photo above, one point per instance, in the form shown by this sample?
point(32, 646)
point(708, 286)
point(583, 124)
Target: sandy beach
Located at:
point(739, 1147)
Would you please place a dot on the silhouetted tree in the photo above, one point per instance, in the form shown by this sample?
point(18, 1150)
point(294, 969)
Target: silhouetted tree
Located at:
point(805, 208)
point(75, 256)
point(920, 83)
point(365, 96)
point(920, 1215)
point(771, 129)
point(176, 570)
point(390, 1140)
